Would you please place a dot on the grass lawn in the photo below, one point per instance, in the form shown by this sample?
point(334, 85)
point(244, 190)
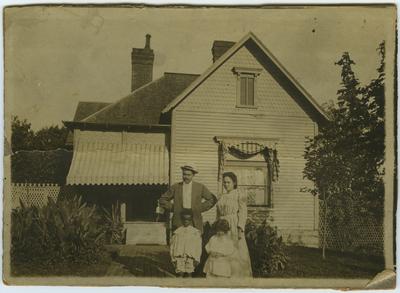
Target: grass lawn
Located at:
point(154, 261)
point(307, 263)
point(93, 270)
point(304, 263)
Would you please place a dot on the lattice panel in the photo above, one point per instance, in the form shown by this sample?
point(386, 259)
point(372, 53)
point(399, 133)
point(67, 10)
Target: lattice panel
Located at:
point(369, 235)
point(33, 194)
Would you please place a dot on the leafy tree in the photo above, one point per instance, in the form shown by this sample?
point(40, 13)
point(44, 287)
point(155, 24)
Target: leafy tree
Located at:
point(345, 159)
point(21, 135)
point(47, 138)
point(38, 157)
point(50, 138)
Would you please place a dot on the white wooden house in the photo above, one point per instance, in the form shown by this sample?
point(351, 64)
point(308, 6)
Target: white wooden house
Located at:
point(243, 114)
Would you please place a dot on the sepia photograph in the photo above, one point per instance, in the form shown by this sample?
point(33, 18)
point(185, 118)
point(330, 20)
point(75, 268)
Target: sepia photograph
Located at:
point(200, 146)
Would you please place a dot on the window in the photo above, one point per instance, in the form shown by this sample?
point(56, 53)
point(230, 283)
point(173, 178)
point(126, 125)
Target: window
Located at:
point(247, 91)
point(246, 86)
point(253, 179)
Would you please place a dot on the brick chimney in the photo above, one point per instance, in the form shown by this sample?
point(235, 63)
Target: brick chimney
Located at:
point(142, 65)
point(219, 48)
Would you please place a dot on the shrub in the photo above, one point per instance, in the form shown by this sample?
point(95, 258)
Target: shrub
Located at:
point(113, 226)
point(266, 249)
point(62, 233)
point(40, 166)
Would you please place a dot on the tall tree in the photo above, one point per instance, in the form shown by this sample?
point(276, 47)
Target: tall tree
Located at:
point(344, 160)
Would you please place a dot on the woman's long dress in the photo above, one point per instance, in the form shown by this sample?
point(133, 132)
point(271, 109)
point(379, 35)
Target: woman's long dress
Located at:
point(232, 207)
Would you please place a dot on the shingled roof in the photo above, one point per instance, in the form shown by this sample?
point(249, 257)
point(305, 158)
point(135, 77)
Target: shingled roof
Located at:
point(85, 109)
point(144, 105)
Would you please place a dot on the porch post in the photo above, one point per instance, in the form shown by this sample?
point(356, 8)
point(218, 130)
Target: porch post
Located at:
point(123, 212)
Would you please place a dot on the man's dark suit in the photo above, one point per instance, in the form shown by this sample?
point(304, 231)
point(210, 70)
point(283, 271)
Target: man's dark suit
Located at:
point(199, 192)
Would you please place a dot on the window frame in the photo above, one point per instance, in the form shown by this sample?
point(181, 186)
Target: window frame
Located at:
point(245, 163)
point(243, 72)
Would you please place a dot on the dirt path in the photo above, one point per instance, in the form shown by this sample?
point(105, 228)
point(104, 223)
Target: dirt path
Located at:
point(141, 261)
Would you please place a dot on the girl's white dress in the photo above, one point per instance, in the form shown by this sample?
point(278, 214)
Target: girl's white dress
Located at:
point(185, 248)
point(219, 249)
point(232, 206)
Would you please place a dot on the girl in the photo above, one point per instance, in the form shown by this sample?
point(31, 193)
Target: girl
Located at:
point(220, 248)
point(185, 246)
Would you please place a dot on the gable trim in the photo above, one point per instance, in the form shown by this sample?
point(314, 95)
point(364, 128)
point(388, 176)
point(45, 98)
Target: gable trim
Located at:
point(227, 55)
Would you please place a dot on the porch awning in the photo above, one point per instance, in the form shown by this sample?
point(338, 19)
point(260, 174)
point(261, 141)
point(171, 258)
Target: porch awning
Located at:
point(102, 158)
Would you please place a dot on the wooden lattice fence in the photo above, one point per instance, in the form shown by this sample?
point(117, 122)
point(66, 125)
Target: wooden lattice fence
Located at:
point(366, 235)
point(34, 194)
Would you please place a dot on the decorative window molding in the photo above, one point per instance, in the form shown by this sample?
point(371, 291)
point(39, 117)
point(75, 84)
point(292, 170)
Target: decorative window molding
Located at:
point(246, 70)
point(246, 86)
point(243, 149)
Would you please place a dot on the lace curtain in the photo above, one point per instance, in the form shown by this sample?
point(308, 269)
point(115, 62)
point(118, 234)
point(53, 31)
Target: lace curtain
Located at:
point(246, 149)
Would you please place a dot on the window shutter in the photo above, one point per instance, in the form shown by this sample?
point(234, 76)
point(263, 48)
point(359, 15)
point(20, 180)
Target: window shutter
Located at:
point(243, 85)
point(250, 91)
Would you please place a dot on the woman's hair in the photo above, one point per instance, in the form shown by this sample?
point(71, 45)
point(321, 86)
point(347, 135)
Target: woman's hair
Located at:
point(186, 212)
point(222, 225)
point(233, 177)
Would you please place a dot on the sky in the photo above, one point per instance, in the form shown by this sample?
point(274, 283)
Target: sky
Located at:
point(58, 56)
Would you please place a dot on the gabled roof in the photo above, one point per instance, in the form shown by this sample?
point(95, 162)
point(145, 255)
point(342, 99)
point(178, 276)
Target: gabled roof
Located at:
point(251, 39)
point(85, 109)
point(144, 105)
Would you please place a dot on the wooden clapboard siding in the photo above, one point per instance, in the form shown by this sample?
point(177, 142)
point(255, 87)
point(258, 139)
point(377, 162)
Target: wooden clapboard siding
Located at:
point(194, 132)
point(218, 92)
point(210, 110)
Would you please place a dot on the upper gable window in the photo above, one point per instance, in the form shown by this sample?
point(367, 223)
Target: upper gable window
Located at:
point(246, 86)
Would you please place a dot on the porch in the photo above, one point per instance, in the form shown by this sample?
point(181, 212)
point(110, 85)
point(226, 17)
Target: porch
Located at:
point(130, 170)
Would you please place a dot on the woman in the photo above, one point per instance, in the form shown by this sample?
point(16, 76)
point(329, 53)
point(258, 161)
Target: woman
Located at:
point(232, 206)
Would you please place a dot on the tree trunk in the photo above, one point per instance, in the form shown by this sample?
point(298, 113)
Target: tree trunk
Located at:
point(324, 232)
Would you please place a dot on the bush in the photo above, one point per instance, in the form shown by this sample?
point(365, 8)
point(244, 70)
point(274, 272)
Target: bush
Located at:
point(113, 226)
point(267, 250)
point(50, 166)
point(61, 234)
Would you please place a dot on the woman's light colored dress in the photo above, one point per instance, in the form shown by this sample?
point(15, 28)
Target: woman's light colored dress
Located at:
point(232, 206)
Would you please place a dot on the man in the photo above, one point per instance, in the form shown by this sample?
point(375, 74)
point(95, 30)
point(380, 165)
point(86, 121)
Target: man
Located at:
point(188, 195)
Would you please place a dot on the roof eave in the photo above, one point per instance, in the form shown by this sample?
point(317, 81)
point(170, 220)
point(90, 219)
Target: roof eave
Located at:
point(82, 125)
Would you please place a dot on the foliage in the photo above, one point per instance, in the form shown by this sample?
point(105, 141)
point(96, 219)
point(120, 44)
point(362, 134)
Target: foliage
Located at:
point(22, 134)
point(345, 160)
point(37, 157)
point(47, 138)
point(267, 250)
point(305, 262)
point(40, 166)
point(62, 233)
point(50, 138)
point(113, 226)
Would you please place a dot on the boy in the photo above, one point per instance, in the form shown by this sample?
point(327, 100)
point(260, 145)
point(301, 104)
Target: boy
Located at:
point(185, 246)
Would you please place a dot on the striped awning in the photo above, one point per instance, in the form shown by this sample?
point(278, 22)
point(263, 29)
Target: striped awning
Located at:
point(102, 158)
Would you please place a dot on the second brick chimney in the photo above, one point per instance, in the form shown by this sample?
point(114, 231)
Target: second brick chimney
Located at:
point(142, 65)
point(219, 48)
